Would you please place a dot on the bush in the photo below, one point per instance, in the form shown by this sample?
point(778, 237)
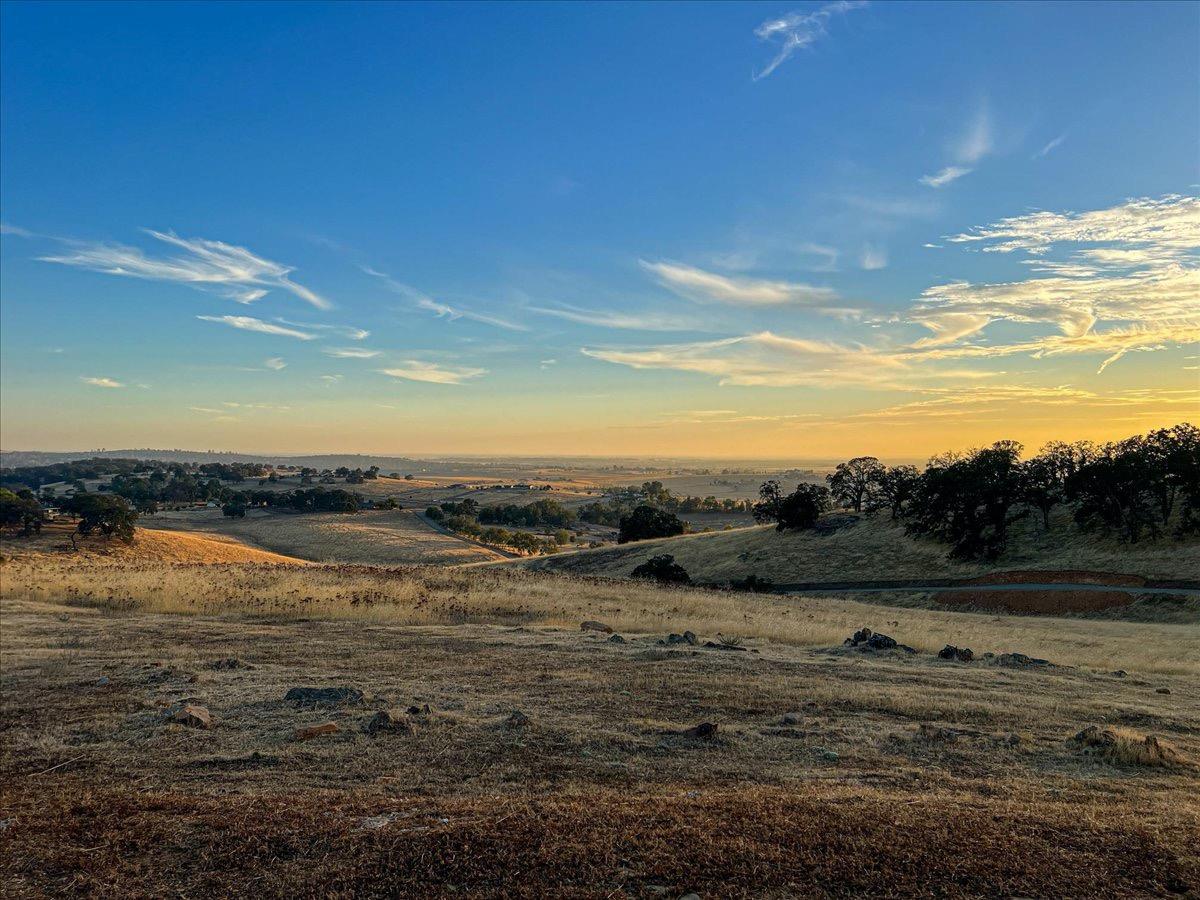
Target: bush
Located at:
point(646, 522)
point(663, 569)
point(435, 514)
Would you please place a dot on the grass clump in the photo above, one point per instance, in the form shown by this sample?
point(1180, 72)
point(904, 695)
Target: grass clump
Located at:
point(1126, 747)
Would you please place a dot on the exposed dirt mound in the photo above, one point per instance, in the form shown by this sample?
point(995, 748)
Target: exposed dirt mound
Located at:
point(1035, 602)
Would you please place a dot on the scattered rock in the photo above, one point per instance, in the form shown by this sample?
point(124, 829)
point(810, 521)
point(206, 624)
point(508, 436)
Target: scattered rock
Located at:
point(312, 731)
point(866, 639)
point(830, 755)
point(324, 695)
point(1162, 690)
point(422, 710)
point(231, 662)
point(686, 638)
point(691, 896)
point(1120, 673)
point(386, 721)
point(713, 645)
point(191, 715)
point(703, 730)
point(962, 654)
point(1021, 661)
point(616, 639)
point(792, 718)
point(595, 626)
point(103, 681)
point(517, 720)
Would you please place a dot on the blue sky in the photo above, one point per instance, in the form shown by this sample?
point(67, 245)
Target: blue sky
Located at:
point(696, 229)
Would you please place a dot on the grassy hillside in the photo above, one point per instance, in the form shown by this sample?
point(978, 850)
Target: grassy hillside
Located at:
point(49, 548)
point(877, 548)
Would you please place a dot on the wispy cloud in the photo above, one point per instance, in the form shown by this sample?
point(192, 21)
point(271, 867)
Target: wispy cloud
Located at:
point(873, 257)
point(248, 323)
point(351, 352)
point(1050, 147)
point(968, 149)
point(101, 382)
point(234, 271)
point(15, 231)
point(275, 363)
point(644, 321)
point(443, 310)
point(414, 370)
point(795, 31)
point(349, 332)
point(704, 287)
point(945, 176)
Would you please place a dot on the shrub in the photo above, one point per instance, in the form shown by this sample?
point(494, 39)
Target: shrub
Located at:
point(663, 569)
point(646, 522)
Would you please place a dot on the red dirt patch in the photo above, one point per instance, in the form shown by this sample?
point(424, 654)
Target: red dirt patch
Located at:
point(1034, 602)
point(1068, 576)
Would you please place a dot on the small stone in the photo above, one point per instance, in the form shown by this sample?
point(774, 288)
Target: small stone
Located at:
point(312, 731)
point(676, 639)
point(324, 695)
point(1120, 673)
point(103, 681)
point(616, 639)
point(1162, 690)
point(691, 896)
point(419, 710)
point(792, 718)
point(830, 756)
point(703, 730)
point(191, 715)
point(595, 626)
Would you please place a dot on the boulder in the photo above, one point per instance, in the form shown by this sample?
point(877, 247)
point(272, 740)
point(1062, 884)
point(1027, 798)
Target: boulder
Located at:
point(595, 626)
point(616, 639)
point(962, 654)
point(1021, 661)
point(324, 695)
point(312, 731)
point(191, 715)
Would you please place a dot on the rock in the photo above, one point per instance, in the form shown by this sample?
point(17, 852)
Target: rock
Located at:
point(312, 731)
point(962, 654)
point(324, 695)
point(692, 896)
point(191, 715)
point(103, 681)
point(616, 639)
point(792, 718)
point(517, 720)
point(713, 645)
point(1162, 690)
point(419, 710)
point(936, 734)
point(866, 639)
point(1021, 661)
point(830, 755)
point(690, 638)
point(703, 730)
point(386, 721)
point(374, 823)
point(595, 626)
point(686, 638)
point(1120, 673)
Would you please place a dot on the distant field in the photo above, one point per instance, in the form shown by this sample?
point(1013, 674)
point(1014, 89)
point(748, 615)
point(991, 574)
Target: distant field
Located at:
point(877, 548)
point(371, 537)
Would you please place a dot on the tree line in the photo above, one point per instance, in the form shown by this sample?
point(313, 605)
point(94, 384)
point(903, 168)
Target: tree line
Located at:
point(1145, 486)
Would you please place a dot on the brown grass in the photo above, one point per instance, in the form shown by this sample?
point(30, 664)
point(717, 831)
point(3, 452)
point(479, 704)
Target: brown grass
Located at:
point(1126, 747)
point(877, 548)
point(430, 595)
point(148, 546)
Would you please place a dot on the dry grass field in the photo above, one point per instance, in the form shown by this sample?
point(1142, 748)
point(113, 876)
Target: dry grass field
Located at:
point(877, 548)
point(371, 537)
point(525, 757)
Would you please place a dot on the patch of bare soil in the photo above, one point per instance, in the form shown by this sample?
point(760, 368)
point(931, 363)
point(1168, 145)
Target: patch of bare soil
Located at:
point(1035, 602)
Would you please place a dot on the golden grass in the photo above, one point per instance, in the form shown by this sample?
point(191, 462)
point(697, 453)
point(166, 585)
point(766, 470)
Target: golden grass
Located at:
point(429, 595)
point(147, 546)
point(877, 548)
point(375, 537)
point(1126, 747)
